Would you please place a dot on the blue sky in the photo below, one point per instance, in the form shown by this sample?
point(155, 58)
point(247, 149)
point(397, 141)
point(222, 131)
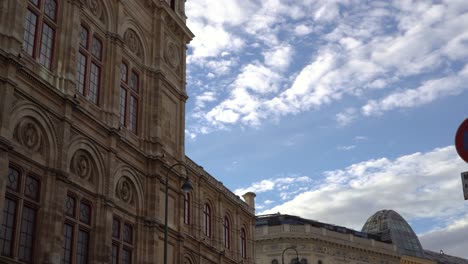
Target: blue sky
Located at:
point(333, 110)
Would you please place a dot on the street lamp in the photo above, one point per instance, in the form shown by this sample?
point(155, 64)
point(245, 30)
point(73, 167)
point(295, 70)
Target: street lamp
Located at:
point(186, 187)
point(291, 247)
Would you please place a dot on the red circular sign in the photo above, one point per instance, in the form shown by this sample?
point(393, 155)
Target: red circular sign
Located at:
point(461, 140)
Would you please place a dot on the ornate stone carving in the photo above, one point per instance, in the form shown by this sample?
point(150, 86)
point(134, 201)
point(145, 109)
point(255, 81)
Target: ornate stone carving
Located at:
point(95, 6)
point(133, 42)
point(171, 54)
point(82, 165)
point(124, 190)
point(29, 135)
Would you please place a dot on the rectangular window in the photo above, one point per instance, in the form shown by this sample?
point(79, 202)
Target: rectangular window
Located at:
point(82, 247)
point(126, 256)
point(128, 233)
point(29, 32)
point(68, 244)
point(31, 189)
point(28, 223)
point(47, 41)
point(85, 213)
point(115, 228)
point(96, 48)
point(133, 113)
point(115, 254)
point(123, 105)
point(13, 182)
point(8, 225)
point(84, 37)
point(94, 83)
point(81, 72)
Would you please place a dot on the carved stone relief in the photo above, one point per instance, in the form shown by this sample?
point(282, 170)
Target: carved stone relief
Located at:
point(95, 6)
point(82, 165)
point(28, 134)
point(125, 190)
point(133, 42)
point(172, 54)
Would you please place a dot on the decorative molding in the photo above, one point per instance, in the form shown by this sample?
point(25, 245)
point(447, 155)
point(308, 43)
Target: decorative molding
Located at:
point(172, 54)
point(82, 165)
point(133, 42)
point(125, 191)
point(28, 134)
point(96, 9)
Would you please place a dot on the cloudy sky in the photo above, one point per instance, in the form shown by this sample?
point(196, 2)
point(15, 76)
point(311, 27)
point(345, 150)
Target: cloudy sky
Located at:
point(334, 109)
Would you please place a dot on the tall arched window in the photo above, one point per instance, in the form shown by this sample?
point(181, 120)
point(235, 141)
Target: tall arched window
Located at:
point(129, 97)
point(20, 215)
point(243, 243)
point(89, 64)
point(207, 220)
point(39, 30)
point(227, 232)
point(187, 208)
point(122, 241)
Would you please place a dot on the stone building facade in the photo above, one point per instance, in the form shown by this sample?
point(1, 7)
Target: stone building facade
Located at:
point(92, 105)
point(317, 243)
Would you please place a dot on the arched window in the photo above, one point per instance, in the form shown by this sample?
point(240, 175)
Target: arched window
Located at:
point(227, 232)
point(89, 64)
point(20, 215)
point(207, 220)
point(187, 208)
point(129, 97)
point(39, 30)
point(76, 230)
point(243, 243)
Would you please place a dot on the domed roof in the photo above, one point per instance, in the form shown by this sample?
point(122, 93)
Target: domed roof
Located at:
point(392, 227)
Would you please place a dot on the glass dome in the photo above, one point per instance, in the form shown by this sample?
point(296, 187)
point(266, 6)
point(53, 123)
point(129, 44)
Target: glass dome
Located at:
point(390, 226)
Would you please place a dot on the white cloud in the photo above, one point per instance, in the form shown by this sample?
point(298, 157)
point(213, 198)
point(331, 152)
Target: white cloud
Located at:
point(354, 51)
point(345, 148)
point(346, 117)
point(284, 184)
point(427, 185)
point(426, 93)
point(450, 238)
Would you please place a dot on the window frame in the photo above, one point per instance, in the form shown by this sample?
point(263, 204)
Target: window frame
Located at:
point(227, 232)
point(207, 220)
point(187, 210)
point(90, 60)
point(22, 201)
point(42, 19)
point(126, 86)
point(77, 225)
point(243, 243)
point(120, 242)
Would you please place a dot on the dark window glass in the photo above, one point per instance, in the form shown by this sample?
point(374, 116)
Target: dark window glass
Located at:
point(115, 254)
point(70, 206)
point(32, 188)
point(50, 8)
point(123, 105)
point(13, 179)
point(29, 32)
point(187, 208)
point(133, 113)
point(123, 72)
point(115, 228)
point(128, 233)
point(47, 40)
point(134, 81)
point(85, 213)
point(227, 231)
point(96, 48)
point(95, 76)
point(68, 244)
point(84, 37)
point(243, 243)
point(26, 240)
point(126, 256)
point(35, 2)
point(81, 72)
point(207, 220)
point(7, 229)
point(82, 247)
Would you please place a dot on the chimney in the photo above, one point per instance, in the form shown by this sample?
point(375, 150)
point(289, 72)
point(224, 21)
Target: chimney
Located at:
point(249, 198)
